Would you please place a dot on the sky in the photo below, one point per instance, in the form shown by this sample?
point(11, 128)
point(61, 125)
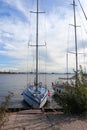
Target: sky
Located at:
point(18, 33)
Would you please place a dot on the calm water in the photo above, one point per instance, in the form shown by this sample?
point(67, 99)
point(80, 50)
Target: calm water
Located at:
point(16, 83)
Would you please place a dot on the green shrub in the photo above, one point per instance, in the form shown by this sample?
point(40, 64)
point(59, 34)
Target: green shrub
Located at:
point(74, 101)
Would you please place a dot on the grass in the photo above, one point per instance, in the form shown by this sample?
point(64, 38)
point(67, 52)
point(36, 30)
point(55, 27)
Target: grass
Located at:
point(57, 128)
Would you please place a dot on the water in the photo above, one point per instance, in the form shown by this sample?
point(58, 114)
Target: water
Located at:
point(16, 83)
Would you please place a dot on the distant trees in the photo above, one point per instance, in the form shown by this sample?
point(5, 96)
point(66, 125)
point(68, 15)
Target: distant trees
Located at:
point(5, 72)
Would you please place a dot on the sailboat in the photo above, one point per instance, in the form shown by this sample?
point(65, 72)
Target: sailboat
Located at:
point(59, 87)
point(36, 95)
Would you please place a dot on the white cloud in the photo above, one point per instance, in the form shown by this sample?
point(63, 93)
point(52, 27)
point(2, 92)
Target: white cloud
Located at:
point(8, 69)
point(56, 35)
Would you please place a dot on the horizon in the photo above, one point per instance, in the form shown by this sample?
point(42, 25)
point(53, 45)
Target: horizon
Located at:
point(13, 72)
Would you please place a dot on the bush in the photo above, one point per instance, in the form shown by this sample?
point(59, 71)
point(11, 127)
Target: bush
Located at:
point(75, 100)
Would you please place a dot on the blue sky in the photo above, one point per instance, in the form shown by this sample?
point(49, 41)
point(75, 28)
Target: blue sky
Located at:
point(17, 29)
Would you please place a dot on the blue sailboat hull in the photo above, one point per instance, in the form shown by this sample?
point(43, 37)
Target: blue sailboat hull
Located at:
point(36, 98)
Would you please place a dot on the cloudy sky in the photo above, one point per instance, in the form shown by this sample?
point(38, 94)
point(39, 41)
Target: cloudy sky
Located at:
point(17, 31)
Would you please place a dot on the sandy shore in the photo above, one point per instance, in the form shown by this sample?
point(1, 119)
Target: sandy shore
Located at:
point(37, 120)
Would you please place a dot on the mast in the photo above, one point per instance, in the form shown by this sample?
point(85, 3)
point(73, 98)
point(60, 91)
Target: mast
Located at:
point(37, 46)
point(75, 43)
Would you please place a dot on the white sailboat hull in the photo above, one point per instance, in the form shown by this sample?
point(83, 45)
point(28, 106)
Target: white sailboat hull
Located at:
point(35, 99)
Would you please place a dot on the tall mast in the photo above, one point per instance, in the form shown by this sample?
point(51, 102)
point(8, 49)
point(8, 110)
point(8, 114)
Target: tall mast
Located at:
point(75, 42)
point(37, 45)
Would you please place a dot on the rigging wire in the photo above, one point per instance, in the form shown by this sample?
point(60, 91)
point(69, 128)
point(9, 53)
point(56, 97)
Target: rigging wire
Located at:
point(28, 52)
point(82, 9)
point(43, 36)
point(82, 22)
point(46, 66)
point(69, 47)
point(82, 39)
point(67, 56)
point(42, 62)
point(27, 64)
point(31, 66)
